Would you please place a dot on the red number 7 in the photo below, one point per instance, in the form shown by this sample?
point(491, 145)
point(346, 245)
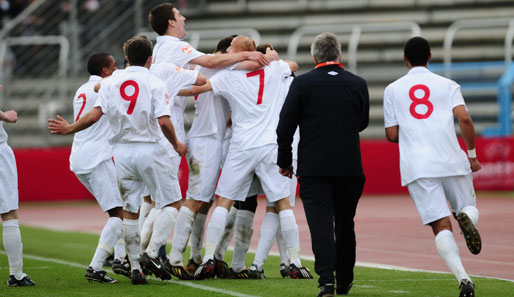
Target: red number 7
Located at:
point(260, 73)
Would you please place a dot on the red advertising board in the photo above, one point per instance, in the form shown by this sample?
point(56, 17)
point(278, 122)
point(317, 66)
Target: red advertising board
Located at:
point(44, 175)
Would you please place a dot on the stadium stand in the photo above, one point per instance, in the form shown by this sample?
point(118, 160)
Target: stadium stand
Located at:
point(38, 85)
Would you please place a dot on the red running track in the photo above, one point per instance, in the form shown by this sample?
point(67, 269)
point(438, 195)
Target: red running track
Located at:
point(389, 232)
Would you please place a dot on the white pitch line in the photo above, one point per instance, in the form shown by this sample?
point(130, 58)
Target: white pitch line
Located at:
point(182, 283)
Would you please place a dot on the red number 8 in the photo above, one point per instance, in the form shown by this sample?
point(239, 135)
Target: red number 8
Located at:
point(423, 101)
point(132, 98)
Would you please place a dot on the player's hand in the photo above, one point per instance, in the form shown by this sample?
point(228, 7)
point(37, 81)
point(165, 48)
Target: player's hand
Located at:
point(271, 55)
point(287, 171)
point(59, 126)
point(181, 148)
point(11, 116)
point(475, 165)
point(257, 57)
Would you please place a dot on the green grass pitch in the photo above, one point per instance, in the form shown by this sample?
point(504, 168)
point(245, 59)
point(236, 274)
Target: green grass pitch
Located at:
point(57, 261)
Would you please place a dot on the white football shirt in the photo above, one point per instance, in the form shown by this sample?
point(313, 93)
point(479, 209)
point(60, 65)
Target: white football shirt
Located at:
point(421, 103)
point(211, 112)
point(133, 99)
point(255, 101)
point(169, 49)
point(3, 134)
point(176, 79)
point(90, 146)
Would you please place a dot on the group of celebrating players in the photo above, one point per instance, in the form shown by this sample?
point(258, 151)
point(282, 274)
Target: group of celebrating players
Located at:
point(135, 116)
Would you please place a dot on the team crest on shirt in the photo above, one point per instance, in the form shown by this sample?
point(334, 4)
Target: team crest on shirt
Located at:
point(187, 49)
point(179, 69)
point(333, 73)
point(167, 98)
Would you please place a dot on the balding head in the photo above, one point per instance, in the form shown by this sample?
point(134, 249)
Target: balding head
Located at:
point(242, 43)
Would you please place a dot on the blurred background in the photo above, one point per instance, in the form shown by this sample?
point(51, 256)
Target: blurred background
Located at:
point(45, 45)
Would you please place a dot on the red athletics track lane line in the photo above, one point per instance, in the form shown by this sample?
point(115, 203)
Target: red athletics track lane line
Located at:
point(389, 232)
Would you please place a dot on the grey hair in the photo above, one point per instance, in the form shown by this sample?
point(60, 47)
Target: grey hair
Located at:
point(326, 47)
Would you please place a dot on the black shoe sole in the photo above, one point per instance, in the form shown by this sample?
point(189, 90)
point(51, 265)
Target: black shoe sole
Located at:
point(471, 235)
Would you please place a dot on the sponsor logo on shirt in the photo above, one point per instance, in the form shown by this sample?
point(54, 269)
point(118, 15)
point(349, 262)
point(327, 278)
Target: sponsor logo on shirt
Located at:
point(187, 49)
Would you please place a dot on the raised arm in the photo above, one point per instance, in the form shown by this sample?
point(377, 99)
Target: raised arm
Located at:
point(196, 90)
point(62, 127)
point(225, 60)
point(468, 133)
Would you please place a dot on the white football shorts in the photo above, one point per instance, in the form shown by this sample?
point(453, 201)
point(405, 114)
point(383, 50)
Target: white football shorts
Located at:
point(430, 195)
point(204, 159)
point(293, 184)
point(148, 164)
point(102, 182)
point(239, 168)
point(8, 179)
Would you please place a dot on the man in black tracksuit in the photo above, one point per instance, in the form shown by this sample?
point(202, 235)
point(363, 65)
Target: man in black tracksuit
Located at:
point(331, 106)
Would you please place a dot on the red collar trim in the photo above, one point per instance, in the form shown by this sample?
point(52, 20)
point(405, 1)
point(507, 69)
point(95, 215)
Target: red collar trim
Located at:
point(329, 63)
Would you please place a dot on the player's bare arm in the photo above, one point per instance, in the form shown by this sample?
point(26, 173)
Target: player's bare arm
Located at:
point(200, 79)
point(225, 60)
point(9, 116)
point(392, 133)
point(169, 132)
point(196, 90)
point(62, 127)
point(468, 133)
point(271, 55)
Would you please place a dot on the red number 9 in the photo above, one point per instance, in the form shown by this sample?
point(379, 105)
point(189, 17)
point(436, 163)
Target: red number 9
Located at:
point(132, 98)
point(420, 101)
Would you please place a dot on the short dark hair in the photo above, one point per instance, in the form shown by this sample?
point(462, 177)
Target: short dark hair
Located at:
point(159, 16)
point(224, 44)
point(137, 50)
point(263, 47)
point(97, 62)
point(417, 51)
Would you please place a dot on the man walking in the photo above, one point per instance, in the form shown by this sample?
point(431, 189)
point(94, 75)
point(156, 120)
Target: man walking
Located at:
point(331, 106)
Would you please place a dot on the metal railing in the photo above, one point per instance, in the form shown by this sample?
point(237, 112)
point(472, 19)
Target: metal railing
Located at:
point(481, 24)
point(355, 29)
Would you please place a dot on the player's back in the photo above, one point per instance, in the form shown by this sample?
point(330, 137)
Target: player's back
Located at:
point(133, 99)
point(90, 146)
point(423, 105)
point(211, 111)
point(254, 98)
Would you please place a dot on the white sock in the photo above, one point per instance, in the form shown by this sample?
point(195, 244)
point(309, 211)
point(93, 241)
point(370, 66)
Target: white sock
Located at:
point(291, 238)
point(449, 251)
point(185, 220)
point(131, 235)
point(228, 233)
point(119, 249)
point(284, 255)
point(143, 213)
point(244, 231)
point(196, 238)
point(13, 247)
point(108, 238)
point(267, 235)
point(215, 231)
point(472, 213)
point(146, 231)
point(162, 228)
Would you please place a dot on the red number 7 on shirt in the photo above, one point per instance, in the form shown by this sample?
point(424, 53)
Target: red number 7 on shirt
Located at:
point(260, 73)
